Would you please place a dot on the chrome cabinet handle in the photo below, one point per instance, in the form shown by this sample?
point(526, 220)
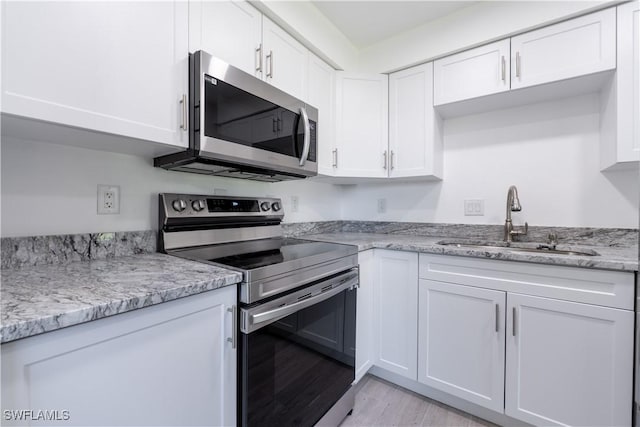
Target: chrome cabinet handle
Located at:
point(517, 64)
point(504, 69)
point(384, 160)
point(391, 161)
point(270, 59)
point(259, 58)
point(497, 317)
point(185, 113)
point(307, 136)
point(234, 325)
point(335, 158)
point(514, 322)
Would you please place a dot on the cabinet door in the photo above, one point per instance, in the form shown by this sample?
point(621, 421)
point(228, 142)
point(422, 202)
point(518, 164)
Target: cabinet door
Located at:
point(285, 60)
point(229, 30)
point(628, 90)
point(573, 48)
point(169, 364)
point(364, 314)
point(114, 67)
point(461, 342)
point(472, 73)
point(396, 312)
point(414, 149)
point(568, 363)
point(321, 94)
point(362, 125)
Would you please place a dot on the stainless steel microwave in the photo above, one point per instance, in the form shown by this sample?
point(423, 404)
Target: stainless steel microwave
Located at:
point(242, 127)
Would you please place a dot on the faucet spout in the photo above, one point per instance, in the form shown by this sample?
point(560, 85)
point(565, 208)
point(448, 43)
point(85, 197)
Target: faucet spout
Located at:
point(513, 205)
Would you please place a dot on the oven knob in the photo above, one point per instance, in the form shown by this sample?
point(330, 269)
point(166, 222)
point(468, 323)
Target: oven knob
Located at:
point(275, 206)
point(198, 205)
point(265, 206)
point(179, 205)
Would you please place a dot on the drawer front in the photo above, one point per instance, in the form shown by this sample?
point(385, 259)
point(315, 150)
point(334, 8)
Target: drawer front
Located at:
point(601, 287)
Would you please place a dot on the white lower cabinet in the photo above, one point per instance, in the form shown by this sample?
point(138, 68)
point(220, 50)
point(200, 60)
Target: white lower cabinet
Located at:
point(364, 314)
point(461, 341)
point(169, 364)
point(540, 360)
point(568, 363)
point(395, 312)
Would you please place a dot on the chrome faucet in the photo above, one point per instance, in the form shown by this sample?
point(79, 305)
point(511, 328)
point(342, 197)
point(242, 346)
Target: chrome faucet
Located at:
point(513, 205)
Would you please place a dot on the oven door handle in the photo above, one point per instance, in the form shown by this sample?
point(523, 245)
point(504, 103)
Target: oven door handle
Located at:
point(256, 321)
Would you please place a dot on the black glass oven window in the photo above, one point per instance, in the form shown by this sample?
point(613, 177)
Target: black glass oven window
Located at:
point(294, 370)
point(234, 115)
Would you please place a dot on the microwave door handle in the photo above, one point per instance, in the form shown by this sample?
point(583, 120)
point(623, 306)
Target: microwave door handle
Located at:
point(307, 136)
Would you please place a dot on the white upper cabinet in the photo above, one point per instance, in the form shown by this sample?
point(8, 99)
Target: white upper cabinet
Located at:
point(321, 94)
point(114, 67)
point(580, 46)
point(473, 73)
point(568, 363)
point(415, 140)
point(362, 125)
point(229, 30)
point(285, 60)
point(620, 119)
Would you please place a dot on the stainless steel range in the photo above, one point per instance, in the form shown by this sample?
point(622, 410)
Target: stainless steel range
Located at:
point(297, 312)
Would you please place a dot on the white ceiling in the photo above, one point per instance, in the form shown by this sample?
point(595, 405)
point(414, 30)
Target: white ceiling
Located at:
point(367, 22)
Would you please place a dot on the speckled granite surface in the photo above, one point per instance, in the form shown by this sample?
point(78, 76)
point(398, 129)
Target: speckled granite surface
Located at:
point(44, 298)
point(620, 237)
point(21, 252)
point(621, 258)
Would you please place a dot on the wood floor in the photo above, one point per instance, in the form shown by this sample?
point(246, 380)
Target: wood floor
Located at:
point(379, 403)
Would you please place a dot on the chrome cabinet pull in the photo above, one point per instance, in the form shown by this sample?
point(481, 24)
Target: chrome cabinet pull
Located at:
point(335, 158)
point(391, 161)
point(384, 160)
point(307, 136)
point(234, 325)
point(497, 318)
point(504, 69)
point(517, 64)
point(270, 59)
point(259, 58)
point(514, 322)
point(185, 113)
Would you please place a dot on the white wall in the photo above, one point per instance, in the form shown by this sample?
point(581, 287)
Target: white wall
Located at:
point(550, 151)
point(51, 189)
point(477, 24)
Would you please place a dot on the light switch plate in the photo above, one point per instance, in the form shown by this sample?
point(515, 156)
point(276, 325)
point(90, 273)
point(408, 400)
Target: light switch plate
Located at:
point(474, 207)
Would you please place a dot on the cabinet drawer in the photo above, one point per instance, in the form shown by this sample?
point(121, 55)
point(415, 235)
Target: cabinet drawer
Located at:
point(601, 287)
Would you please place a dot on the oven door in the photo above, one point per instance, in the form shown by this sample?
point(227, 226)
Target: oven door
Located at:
point(297, 353)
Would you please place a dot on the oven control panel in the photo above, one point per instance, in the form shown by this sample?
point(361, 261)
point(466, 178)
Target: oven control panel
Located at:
point(174, 205)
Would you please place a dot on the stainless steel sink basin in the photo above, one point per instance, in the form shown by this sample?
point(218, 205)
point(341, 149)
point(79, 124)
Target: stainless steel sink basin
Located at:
point(519, 247)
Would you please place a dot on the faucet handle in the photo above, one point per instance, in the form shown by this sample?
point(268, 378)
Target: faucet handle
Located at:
point(516, 233)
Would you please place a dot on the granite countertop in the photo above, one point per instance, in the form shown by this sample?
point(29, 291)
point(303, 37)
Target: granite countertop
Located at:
point(48, 297)
point(620, 258)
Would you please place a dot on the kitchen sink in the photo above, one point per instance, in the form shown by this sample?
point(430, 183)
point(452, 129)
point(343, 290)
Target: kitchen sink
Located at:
point(539, 248)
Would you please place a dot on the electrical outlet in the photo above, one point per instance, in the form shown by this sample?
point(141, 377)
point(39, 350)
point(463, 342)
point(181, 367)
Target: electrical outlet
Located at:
point(294, 204)
point(474, 207)
point(382, 205)
point(108, 199)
